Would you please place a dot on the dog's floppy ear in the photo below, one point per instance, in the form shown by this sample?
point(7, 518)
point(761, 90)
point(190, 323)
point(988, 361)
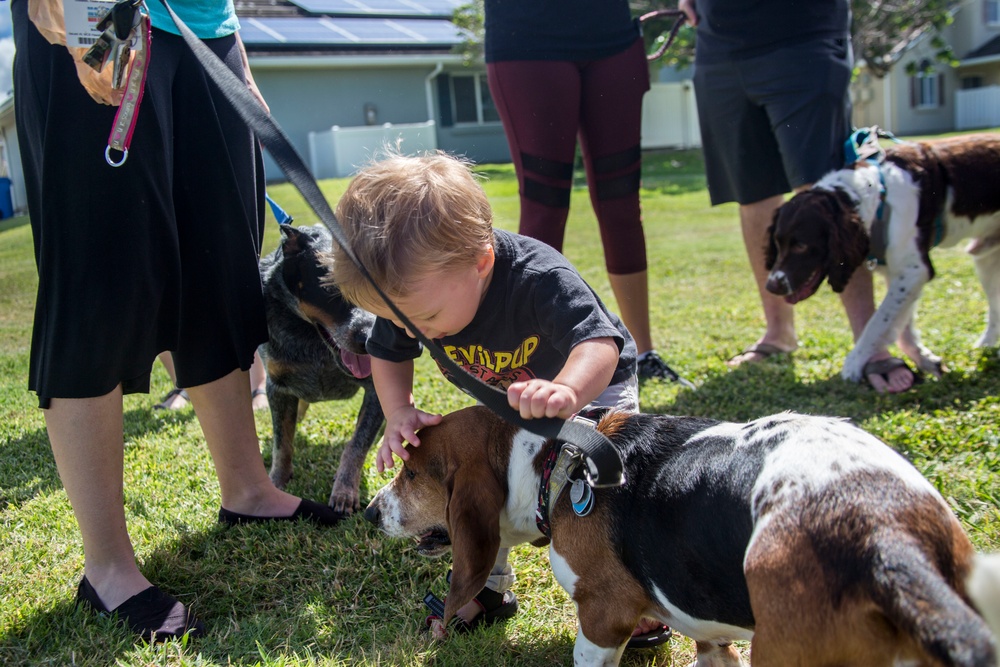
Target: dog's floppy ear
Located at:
point(770, 247)
point(847, 241)
point(475, 500)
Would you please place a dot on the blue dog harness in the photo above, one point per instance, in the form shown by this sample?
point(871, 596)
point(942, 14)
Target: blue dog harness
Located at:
point(863, 145)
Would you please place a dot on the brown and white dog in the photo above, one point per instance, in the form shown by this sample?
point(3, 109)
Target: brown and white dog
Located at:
point(926, 194)
point(805, 534)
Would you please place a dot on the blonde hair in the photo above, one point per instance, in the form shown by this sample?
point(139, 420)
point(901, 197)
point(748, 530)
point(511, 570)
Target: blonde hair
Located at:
point(406, 217)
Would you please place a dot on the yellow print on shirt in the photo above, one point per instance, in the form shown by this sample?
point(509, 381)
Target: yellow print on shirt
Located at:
point(498, 369)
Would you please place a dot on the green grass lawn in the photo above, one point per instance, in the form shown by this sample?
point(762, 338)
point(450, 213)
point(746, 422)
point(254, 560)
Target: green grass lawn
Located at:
point(289, 595)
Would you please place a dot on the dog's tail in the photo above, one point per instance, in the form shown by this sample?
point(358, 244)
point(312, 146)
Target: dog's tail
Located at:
point(983, 587)
point(922, 603)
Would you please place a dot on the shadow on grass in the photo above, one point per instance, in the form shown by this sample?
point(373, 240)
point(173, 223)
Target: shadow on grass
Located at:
point(13, 223)
point(28, 470)
point(771, 386)
point(267, 592)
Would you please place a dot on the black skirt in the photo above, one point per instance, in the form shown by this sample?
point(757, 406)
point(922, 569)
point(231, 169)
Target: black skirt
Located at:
point(158, 254)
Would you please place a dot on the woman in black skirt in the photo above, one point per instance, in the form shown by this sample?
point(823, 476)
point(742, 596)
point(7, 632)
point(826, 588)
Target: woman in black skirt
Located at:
point(157, 254)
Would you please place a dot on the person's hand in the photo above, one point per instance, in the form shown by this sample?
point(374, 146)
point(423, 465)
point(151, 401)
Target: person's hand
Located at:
point(690, 11)
point(401, 427)
point(542, 398)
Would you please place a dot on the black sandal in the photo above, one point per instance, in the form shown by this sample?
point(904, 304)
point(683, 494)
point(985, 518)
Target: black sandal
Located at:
point(173, 393)
point(151, 614)
point(497, 608)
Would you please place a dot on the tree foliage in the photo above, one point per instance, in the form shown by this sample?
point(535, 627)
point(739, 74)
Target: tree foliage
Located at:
point(881, 30)
point(884, 28)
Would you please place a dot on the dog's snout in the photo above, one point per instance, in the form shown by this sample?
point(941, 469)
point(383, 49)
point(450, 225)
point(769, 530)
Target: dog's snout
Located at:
point(777, 283)
point(373, 514)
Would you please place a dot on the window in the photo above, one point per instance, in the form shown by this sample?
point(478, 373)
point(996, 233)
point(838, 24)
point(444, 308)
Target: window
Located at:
point(972, 82)
point(992, 11)
point(471, 100)
point(926, 88)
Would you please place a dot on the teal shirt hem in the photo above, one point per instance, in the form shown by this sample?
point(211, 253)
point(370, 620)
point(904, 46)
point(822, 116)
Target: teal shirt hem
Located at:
point(207, 20)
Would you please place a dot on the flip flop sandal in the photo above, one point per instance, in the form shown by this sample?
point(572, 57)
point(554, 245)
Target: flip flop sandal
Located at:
point(651, 639)
point(176, 391)
point(765, 350)
point(497, 608)
point(885, 366)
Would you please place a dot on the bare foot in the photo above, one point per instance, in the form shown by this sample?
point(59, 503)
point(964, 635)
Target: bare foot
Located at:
point(175, 399)
point(758, 352)
point(887, 374)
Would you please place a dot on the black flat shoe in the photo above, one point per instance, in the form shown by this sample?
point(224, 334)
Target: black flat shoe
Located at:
point(318, 513)
point(151, 614)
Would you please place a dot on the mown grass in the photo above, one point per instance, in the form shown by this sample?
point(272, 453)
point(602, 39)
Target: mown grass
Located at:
point(294, 595)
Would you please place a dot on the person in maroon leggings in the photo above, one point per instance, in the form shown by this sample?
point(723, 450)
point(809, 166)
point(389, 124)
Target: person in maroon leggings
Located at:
point(566, 69)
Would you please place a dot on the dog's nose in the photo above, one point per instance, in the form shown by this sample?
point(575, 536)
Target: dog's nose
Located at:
point(373, 515)
point(777, 283)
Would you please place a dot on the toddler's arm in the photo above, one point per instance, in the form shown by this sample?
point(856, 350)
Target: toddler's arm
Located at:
point(394, 386)
point(587, 373)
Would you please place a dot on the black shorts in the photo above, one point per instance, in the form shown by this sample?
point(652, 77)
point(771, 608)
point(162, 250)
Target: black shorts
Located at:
point(159, 254)
point(774, 122)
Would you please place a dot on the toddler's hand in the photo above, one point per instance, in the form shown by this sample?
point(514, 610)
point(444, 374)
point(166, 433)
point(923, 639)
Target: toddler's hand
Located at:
point(401, 427)
point(542, 398)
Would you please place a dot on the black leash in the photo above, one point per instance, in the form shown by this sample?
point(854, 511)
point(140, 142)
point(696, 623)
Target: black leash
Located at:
point(604, 464)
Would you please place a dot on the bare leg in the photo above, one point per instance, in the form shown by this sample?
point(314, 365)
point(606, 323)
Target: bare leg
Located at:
point(87, 442)
point(632, 294)
point(223, 409)
point(175, 400)
point(779, 316)
point(258, 383)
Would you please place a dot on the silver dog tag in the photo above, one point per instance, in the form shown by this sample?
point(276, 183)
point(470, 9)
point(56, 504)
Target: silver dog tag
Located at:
point(582, 497)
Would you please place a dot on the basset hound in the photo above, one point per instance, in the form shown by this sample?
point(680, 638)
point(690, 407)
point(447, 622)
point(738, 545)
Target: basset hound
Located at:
point(806, 535)
point(891, 212)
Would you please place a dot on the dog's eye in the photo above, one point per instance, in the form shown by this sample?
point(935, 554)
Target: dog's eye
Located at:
point(409, 473)
point(799, 247)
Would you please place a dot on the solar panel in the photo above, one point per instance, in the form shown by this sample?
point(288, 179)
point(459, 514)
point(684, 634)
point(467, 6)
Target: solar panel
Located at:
point(428, 8)
point(328, 31)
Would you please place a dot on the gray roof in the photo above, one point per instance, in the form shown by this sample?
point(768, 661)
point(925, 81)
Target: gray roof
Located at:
point(990, 48)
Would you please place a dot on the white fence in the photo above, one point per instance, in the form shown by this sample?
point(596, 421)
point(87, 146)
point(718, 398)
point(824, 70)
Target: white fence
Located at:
point(977, 108)
point(339, 151)
point(670, 117)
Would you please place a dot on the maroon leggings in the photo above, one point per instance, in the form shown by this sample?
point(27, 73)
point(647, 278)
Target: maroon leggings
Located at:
point(545, 106)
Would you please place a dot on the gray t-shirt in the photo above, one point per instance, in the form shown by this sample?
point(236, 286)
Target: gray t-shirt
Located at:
point(536, 309)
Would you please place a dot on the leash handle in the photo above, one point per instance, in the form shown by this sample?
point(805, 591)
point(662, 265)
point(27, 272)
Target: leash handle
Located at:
point(681, 18)
point(604, 464)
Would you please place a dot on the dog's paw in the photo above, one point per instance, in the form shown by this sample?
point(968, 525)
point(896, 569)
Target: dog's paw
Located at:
point(345, 499)
point(853, 370)
point(989, 338)
point(438, 630)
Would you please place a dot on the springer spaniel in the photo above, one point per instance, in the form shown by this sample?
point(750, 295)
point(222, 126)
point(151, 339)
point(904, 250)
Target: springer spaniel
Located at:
point(806, 535)
point(922, 195)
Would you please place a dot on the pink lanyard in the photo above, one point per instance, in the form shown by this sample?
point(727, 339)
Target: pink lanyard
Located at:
point(128, 111)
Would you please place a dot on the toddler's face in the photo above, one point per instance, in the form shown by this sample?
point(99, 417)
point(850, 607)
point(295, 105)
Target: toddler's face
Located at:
point(445, 302)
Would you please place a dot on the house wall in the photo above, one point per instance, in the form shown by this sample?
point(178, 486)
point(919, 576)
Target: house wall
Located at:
point(887, 102)
point(316, 98)
point(970, 29)
point(304, 100)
